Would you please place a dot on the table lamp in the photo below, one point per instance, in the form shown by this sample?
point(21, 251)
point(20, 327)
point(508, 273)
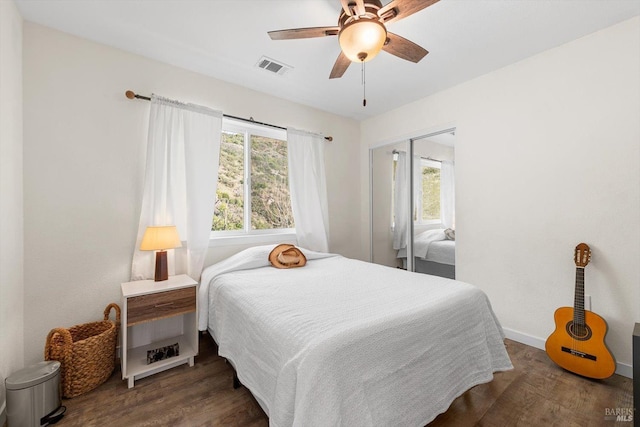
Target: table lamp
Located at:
point(160, 238)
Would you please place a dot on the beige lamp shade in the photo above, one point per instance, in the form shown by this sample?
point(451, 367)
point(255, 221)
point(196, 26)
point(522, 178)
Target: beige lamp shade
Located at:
point(160, 238)
point(362, 39)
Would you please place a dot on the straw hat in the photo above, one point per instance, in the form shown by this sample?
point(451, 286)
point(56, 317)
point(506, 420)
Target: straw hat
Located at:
point(287, 256)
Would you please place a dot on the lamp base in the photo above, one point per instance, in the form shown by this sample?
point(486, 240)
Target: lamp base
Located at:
point(162, 272)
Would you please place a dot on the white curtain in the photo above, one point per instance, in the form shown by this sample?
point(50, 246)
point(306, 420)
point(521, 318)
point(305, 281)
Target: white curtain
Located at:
point(308, 187)
point(401, 203)
point(183, 153)
point(418, 189)
point(447, 194)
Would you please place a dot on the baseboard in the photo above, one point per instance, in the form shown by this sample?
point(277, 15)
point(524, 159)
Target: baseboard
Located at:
point(523, 338)
point(621, 368)
point(624, 370)
point(3, 414)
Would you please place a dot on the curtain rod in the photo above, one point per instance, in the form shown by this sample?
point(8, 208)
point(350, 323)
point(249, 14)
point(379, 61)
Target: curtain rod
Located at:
point(132, 95)
point(425, 158)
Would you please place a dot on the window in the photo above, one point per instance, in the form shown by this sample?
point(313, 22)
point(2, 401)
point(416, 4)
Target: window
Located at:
point(428, 197)
point(426, 194)
point(253, 181)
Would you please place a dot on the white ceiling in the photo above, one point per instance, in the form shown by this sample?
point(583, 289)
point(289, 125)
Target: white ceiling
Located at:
point(226, 38)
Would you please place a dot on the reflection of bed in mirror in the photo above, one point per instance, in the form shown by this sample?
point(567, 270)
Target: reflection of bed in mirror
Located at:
point(434, 254)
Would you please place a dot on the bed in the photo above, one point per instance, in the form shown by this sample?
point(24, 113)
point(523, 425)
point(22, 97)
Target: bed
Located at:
point(345, 342)
point(434, 254)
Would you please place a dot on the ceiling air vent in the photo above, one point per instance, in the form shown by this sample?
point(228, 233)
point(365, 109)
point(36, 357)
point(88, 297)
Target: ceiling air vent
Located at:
point(273, 66)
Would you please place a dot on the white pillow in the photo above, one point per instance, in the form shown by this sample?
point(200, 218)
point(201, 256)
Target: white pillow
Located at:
point(450, 234)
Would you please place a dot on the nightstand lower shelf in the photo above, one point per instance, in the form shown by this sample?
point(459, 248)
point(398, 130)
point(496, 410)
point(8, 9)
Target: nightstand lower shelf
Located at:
point(137, 366)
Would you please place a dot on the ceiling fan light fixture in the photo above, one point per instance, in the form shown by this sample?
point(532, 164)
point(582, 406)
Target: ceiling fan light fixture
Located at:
point(362, 39)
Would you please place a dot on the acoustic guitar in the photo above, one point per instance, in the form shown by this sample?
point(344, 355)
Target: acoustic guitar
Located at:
point(577, 344)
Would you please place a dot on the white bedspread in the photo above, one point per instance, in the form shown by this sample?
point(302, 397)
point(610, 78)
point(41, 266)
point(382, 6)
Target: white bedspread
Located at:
point(255, 257)
point(443, 252)
point(422, 243)
point(344, 342)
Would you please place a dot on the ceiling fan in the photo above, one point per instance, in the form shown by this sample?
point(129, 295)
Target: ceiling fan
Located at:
point(362, 32)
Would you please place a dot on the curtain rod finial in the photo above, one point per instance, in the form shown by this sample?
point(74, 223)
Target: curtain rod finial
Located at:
point(328, 138)
point(130, 94)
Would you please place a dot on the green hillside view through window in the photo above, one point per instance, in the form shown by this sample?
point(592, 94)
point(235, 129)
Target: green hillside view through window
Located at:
point(269, 202)
point(430, 193)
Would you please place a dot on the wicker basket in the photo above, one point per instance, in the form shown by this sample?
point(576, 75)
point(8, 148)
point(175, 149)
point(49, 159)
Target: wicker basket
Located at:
point(86, 353)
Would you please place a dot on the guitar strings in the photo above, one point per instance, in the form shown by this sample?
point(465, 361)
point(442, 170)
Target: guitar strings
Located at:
point(578, 323)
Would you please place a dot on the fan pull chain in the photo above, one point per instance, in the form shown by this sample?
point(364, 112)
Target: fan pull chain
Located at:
point(364, 87)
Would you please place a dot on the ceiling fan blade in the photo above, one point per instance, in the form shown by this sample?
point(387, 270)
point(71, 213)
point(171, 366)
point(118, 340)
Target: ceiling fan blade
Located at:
point(345, 6)
point(399, 9)
point(303, 33)
point(403, 48)
point(341, 65)
point(352, 7)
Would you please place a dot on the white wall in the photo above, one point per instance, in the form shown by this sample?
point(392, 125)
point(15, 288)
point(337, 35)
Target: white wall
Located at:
point(11, 206)
point(547, 156)
point(84, 163)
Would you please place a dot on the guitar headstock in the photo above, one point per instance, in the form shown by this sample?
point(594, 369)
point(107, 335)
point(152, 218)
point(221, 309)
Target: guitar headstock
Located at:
point(582, 255)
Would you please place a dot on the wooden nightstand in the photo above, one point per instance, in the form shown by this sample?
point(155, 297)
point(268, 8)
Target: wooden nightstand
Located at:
point(154, 315)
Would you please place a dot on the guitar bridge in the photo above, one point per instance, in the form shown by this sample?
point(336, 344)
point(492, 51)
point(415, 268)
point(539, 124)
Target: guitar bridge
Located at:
point(578, 353)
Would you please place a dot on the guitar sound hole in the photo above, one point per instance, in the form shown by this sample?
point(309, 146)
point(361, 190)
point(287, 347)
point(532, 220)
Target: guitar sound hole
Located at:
point(579, 332)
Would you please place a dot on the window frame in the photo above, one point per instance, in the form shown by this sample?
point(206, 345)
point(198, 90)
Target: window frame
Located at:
point(247, 235)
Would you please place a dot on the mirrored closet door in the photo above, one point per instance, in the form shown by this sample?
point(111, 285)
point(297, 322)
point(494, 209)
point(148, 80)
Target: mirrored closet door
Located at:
point(413, 204)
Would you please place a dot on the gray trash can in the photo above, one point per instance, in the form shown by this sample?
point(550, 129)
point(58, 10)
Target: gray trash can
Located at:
point(33, 396)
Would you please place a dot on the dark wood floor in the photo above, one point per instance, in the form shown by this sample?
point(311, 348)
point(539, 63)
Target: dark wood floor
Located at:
point(535, 393)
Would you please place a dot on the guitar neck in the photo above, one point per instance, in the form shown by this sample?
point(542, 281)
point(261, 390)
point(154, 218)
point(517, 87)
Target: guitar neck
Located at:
point(578, 302)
